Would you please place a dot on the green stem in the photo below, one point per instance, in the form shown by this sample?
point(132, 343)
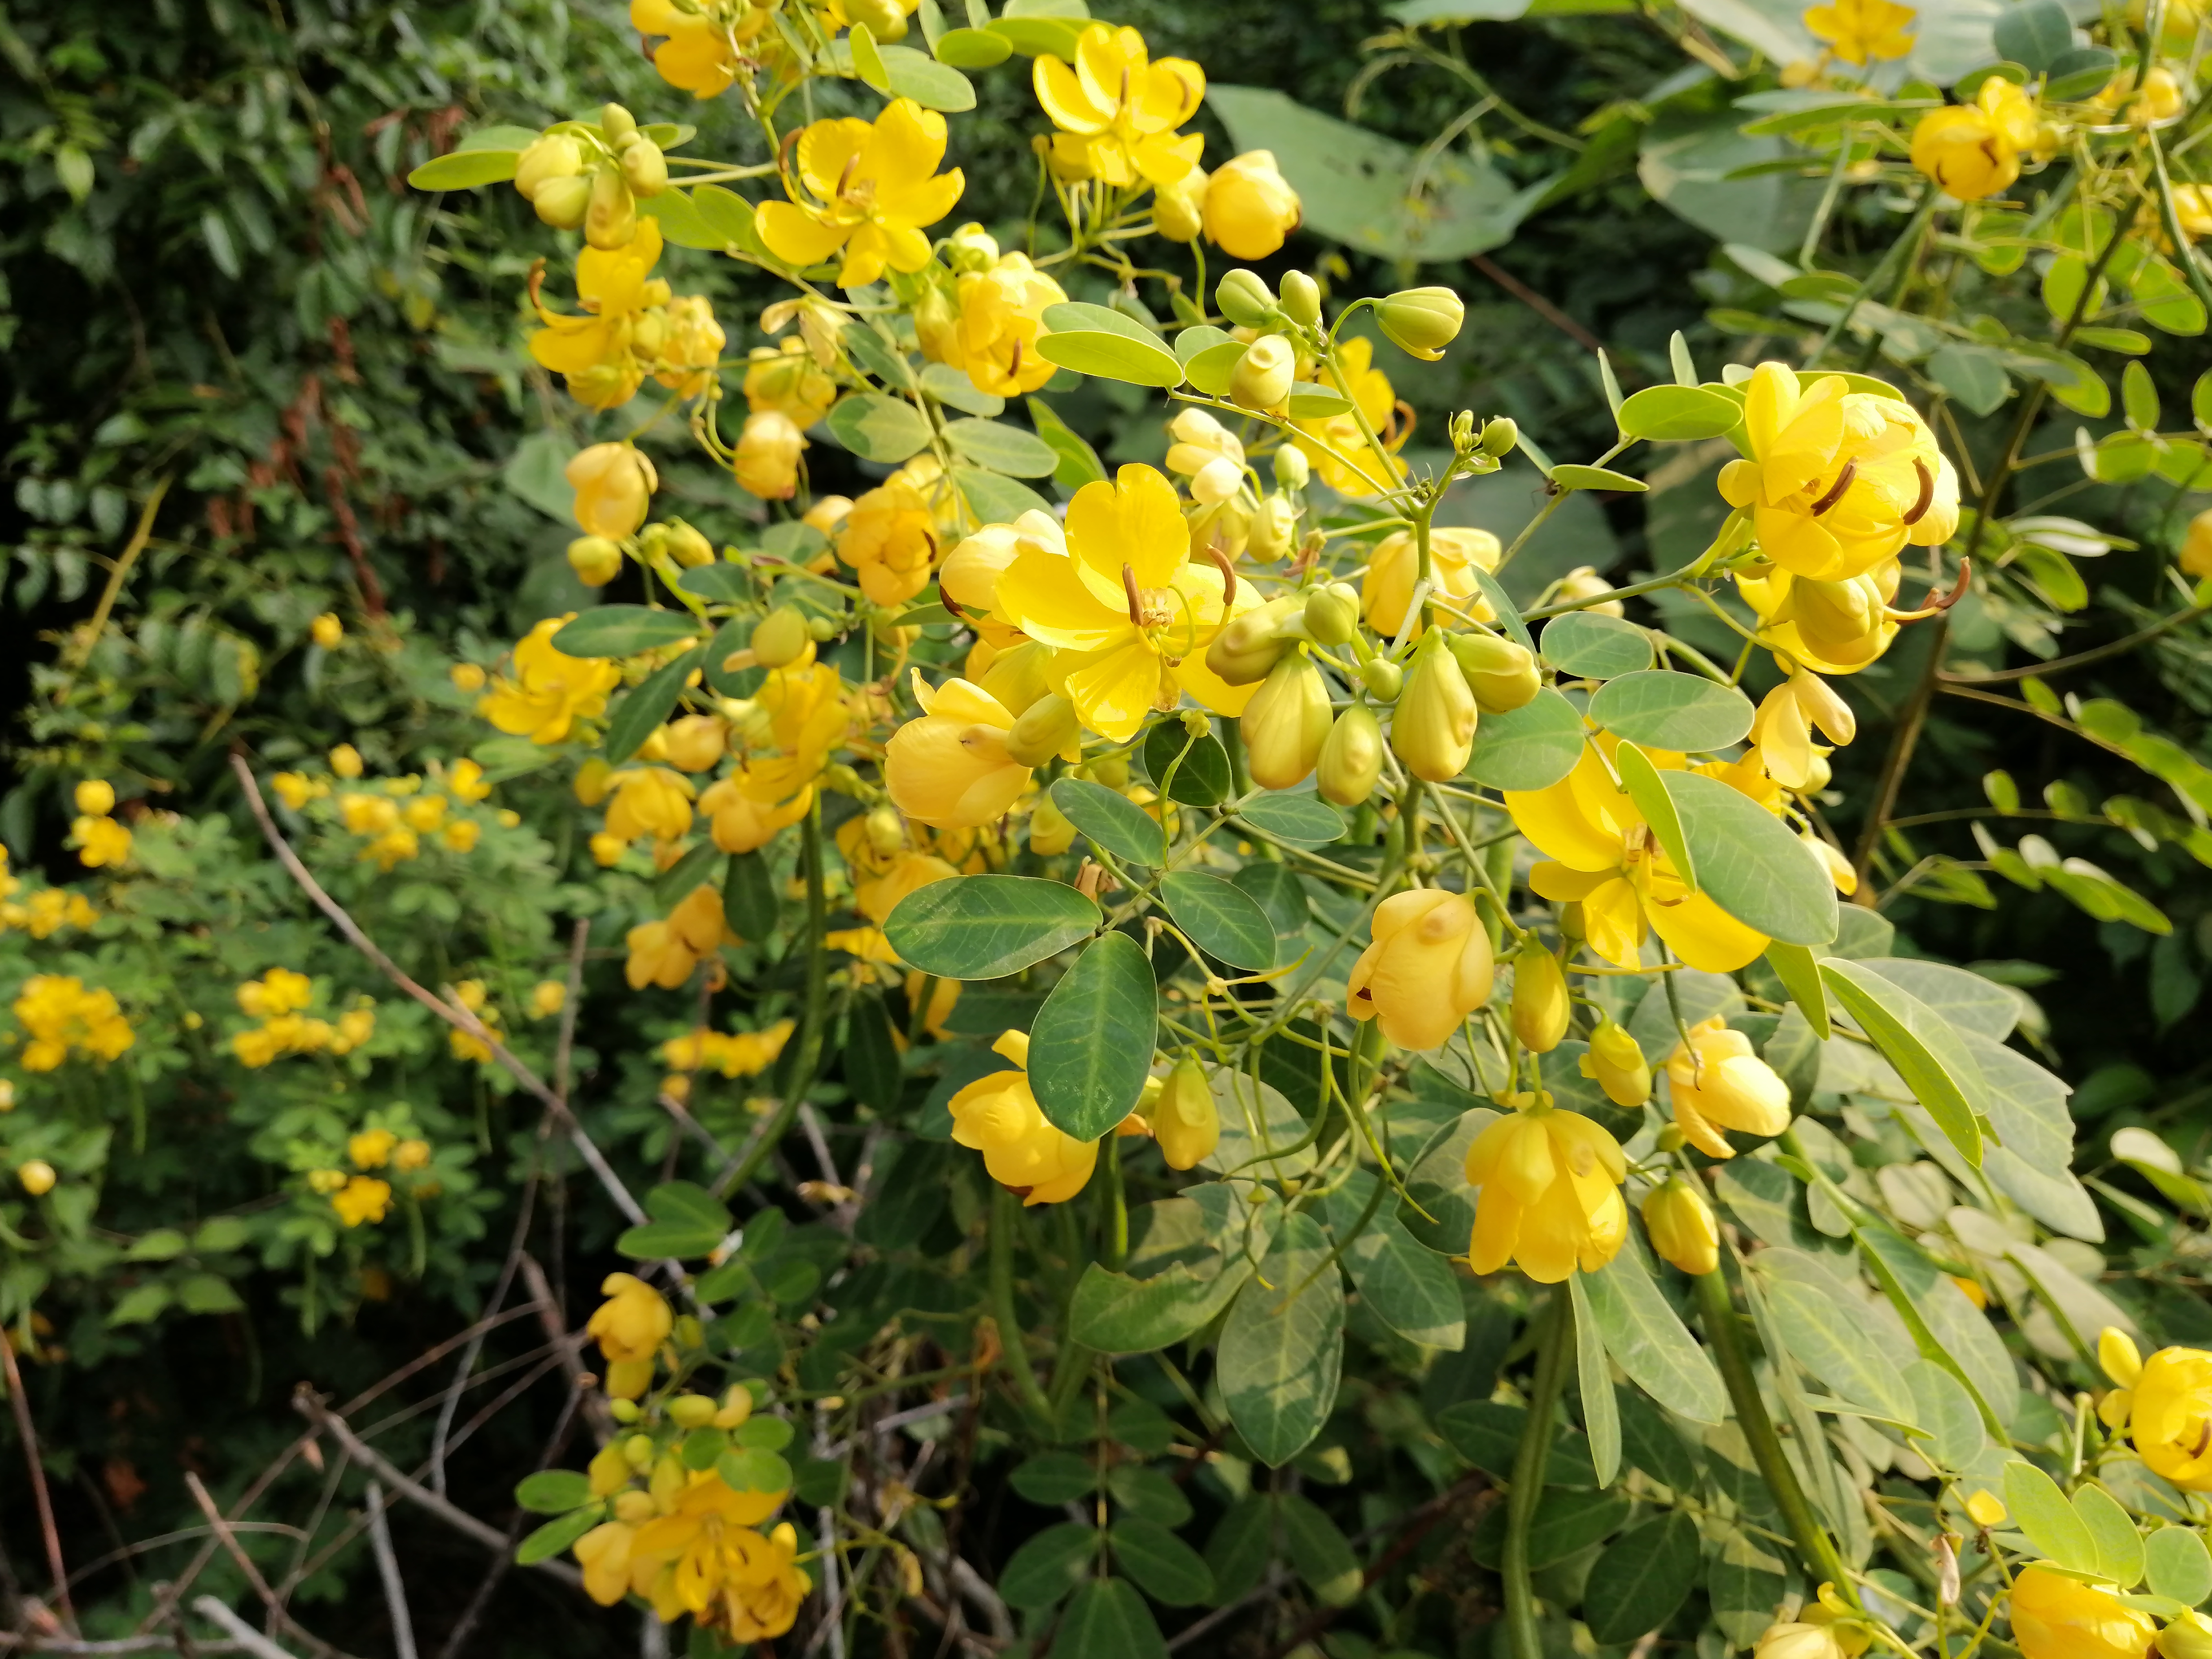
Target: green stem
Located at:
point(1117, 1205)
point(1523, 1640)
point(1011, 1343)
point(1814, 1544)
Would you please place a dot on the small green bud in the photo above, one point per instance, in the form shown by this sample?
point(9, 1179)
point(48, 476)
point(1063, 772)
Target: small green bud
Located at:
point(1421, 321)
point(624, 1411)
point(1332, 618)
point(1245, 300)
point(1502, 674)
point(971, 248)
point(691, 1411)
point(645, 168)
point(1244, 652)
point(562, 203)
point(1265, 374)
point(618, 124)
point(595, 559)
point(1462, 431)
point(1301, 298)
point(1292, 470)
point(1499, 436)
point(1272, 530)
point(1384, 678)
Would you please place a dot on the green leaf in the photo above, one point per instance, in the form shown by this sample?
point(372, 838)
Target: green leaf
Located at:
point(138, 1305)
point(1531, 747)
point(1406, 1285)
point(2120, 1551)
point(867, 62)
point(623, 631)
point(207, 1293)
point(501, 138)
point(1661, 709)
point(878, 428)
point(1825, 1339)
point(2178, 1564)
point(2139, 398)
point(1975, 375)
point(1566, 1523)
point(1107, 1619)
point(218, 1233)
point(1162, 1565)
point(1649, 1341)
point(872, 1057)
point(973, 49)
point(1751, 865)
point(951, 386)
point(681, 223)
point(1320, 1552)
point(996, 500)
point(1962, 998)
point(1677, 413)
point(1114, 822)
point(1274, 888)
point(1649, 1442)
point(1927, 1054)
point(653, 1240)
point(754, 1469)
point(1943, 1408)
point(763, 1433)
point(749, 899)
point(1090, 1046)
point(1095, 340)
point(1219, 917)
point(1296, 820)
point(465, 169)
point(728, 215)
point(1647, 789)
point(1051, 1478)
point(1597, 478)
point(1949, 1331)
point(1283, 1346)
point(637, 714)
point(1209, 371)
point(1048, 1567)
point(1308, 402)
point(987, 926)
point(1601, 1411)
point(2040, 1510)
point(2034, 33)
point(554, 1492)
point(1437, 1183)
point(1257, 1121)
point(1487, 1433)
point(1201, 766)
point(1114, 1313)
point(1642, 1579)
point(719, 583)
point(1077, 463)
point(1799, 974)
point(1002, 448)
point(1034, 36)
point(161, 1244)
point(880, 357)
point(1589, 647)
point(555, 1536)
point(2200, 402)
point(928, 82)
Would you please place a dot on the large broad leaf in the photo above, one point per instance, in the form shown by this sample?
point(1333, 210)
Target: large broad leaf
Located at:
point(1566, 1523)
point(623, 631)
point(636, 715)
point(1936, 1065)
point(1406, 1285)
point(1191, 768)
point(1964, 1000)
point(1531, 747)
point(1589, 647)
point(1661, 709)
point(1274, 888)
point(1107, 1619)
point(1114, 822)
point(1594, 1373)
point(1487, 1433)
point(1823, 1336)
point(1642, 1579)
point(1002, 448)
point(1750, 864)
point(465, 169)
point(1295, 820)
point(1220, 917)
point(878, 428)
point(951, 386)
point(1090, 1048)
point(1648, 1340)
point(988, 927)
point(1361, 189)
point(1675, 414)
point(1283, 1346)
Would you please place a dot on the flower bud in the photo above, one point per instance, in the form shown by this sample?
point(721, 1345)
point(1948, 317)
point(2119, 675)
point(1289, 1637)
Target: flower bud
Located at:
point(691, 1411)
point(1016, 677)
point(2189, 1637)
point(1051, 831)
point(1433, 730)
point(1215, 481)
point(1798, 1641)
point(1502, 674)
point(1681, 1226)
point(1351, 756)
point(1286, 724)
point(780, 637)
point(1046, 727)
point(1252, 643)
point(1179, 209)
point(1540, 1003)
point(766, 460)
point(1245, 300)
point(611, 219)
point(1462, 431)
point(562, 203)
point(1273, 530)
point(971, 248)
point(1615, 1063)
point(37, 1175)
point(1421, 321)
point(548, 157)
point(1499, 436)
point(622, 1411)
point(1265, 374)
point(618, 124)
point(1332, 613)
point(1427, 969)
point(1249, 206)
point(1384, 678)
point(687, 546)
point(1293, 470)
point(1300, 298)
point(95, 798)
point(644, 168)
point(595, 559)
point(1185, 1120)
point(884, 19)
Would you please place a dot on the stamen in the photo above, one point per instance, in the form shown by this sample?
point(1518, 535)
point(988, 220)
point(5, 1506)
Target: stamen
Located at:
point(1228, 574)
point(1125, 86)
point(1934, 604)
point(1835, 491)
point(852, 166)
point(1014, 365)
point(2204, 1439)
point(951, 605)
point(1136, 601)
point(1927, 492)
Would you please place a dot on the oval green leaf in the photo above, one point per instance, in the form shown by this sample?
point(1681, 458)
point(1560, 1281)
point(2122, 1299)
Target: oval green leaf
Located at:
point(1752, 866)
point(878, 428)
point(1591, 647)
point(465, 169)
point(1090, 1046)
point(2178, 1564)
point(555, 1536)
point(1282, 1349)
point(1594, 477)
point(554, 1492)
point(996, 500)
point(1209, 370)
point(636, 715)
point(1649, 1341)
point(1163, 1566)
point(1200, 777)
point(1048, 1567)
point(1594, 1376)
point(987, 926)
point(1642, 1579)
point(1220, 917)
point(1928, 1053)
point(1112, 357)
point(719, 583)
point(929, 83)
point(1033, 37)
point(2040, 1510)
point(1648, 790)
point(973, 49)
point(1532, 747)
point(1661, 709)
point(1308, 402)
point(2119, 1546)
point(1407, 1286)
point(951, 386)
point(623, 631)
point(1003, 448)
point(1113, 821)
point(1676, 414)
point(1297, 820)
point(1107, 1619)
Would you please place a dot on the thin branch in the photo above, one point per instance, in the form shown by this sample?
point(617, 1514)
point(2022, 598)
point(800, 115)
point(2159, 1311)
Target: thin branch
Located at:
point(243, 1635)
point(1536, 302)
point(20, 1403)
point(387, 1569)
point(237, 1552)
point(2079, 658)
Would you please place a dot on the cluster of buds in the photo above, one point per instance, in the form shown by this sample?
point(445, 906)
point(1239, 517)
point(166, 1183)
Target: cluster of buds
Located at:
point(577, 175)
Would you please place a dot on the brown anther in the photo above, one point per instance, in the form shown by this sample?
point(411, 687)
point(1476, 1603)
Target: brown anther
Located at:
point(2204, 1439)
point(1136, 600)
point(1228, 574)
point(1836, 490)
point(951, 605)
point(1014, 363)
point(1927, 492)
point(1936, 605)
point(1125, 86)
point(852, 166)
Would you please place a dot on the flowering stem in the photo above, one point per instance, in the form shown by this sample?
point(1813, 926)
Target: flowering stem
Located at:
point(1523, 1640)
point(1011, 1343)
point(1814, 1543)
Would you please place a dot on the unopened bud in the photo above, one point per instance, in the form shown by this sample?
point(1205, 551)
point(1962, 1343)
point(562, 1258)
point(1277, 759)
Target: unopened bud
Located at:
point(645, 168)
point(1681, 1227)
point(1462, 431)
point(1503, 675)
point(1332, 614)
point(548, 157)
point(1265, 374)
point(971, 248)
point(1351, 756)
point(562, 203)
point(1286, 724)
point(1433, 729)
point(595, 559)
point(687, 546)
point(1272, 531)
point(2189, 1637)
point(1046, 727)
point(611, 221)
point(1540, 1003)
point(1384, 678)
point(691, 1411)
point(1244, 652)
point(1499, 436)
point(1244, 299)
point(1421, 321)
point(823, 629)
point(780, 637)
point(885, 830)
point(618, 124)
point(1301, 298)
point(1185, 1120)
point(1292, 469)
point(1615, 1062)
point(884, 19)
point(37, 1175)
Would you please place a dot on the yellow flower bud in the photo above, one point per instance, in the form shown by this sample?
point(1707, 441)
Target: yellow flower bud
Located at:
point(610, 217)
point(971, 248)
point(595, 559)
point(1292, 470)
point(1547, 1193)
point(644, 168)
point(1986, 1508)
point(692, 1411)
point(1302, 298)
point(2189, 1637)
point(1433, 730)
point(37, 1175)
point(594, 778)
point(1332, 613)
point(1384, 678)
point(95, 798)
point(562, 203)
point(1265, 374)
point(1286, 724)
point(1274, 527)
point(1540, 1002)
point(950, 767)
point(1179, 209)
point(766, 460)
point(687, 546)
point(549, 155)
point(884, 19)
point(1244, 651)
point(1617, 1065)
point(1249, 207)
point(1799, 1641)
point(614, 483)
point(695, 742)
point(1421, 321)
point(1351, 756)
point(737, 1407)
point(1185, 1120)
point(1244, 298)
point(1717, 1083)
point(2055, 1617)
point(345, 761)
point(468, 677)
point(629, 1328)
point(2118, 1356)
point(617, 123)
point(1681, 1227)
point(1046, 727)
point(326, 630)
point(2196, 545)
point(609, 1469)
point(1502, 674)
point(780, 637)
point(1583, 582)
point(1429, 967)
point(1051, 831)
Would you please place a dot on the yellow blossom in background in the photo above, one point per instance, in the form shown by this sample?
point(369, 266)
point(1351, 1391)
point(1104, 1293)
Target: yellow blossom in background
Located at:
point(1023, 1152)
point(664, 953)
point(362, 1200)
point(367, 815)
point(1339, 454)
point(864, 189)
point(392, 848)
point(1862, 31)
point(411, 1155)
point(37, 1175)
point(1829, 627)
point(1250, 209)
point(424, 813)
point(629, 1326)
point(1394, 568)
point(467, 677)
point(548, 691)
point(372, 1148)
point(1547, 1193)
point(101, 842)
point(547, 998)
point(1973, 150)
point(2164, 1404)
point(734, 1054)
point(2055, 1617)
point(1117, 111)
point(353, 1027)
point(1429, 967)
point(784, 379)
point(327, 630)
point(279, 991)
point(467, 782)
point(650, 800)
point(95, 797)
point(296, 789)
point(614, 485)
point(345, 761)
point(705, 45)
point(462, 834)
point(1717, 1083)
point(59, 1015)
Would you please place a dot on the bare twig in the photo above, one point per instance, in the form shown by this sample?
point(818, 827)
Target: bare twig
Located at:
point(1536, 302)
point(20, 1403)
point(167, 1596)
point(247, 1639)
point(549, 1314)
point(465, 1626)
point(454, 1015)
point(237, 1552)
point(387, 1569)
point(11, 1642)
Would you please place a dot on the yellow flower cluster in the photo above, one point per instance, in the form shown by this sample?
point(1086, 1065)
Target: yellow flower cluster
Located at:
point(664, 952)
point(101, 841)
point(734, 1054)
point(276, 1000)
point(472, 995)
point(631, 327)
point(546, 692)
point(364, 1199)
point(2164, 1404)
point(45, 912)
point(1022, 1150)
point(59, 1017)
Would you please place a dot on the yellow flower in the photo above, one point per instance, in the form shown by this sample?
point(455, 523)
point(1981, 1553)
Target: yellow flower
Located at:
point(702, 1557)
point(631, 325)
point(1432, 728)
point(1429, 967)
point(1858, 31)
point(948, 767)
point(1001, 314)
point(1803, 1639)
point(745, 1054)
point(786, 379)
point(372, 1148)
point(296, 789)
point(1249, 207)
point(1128, 611)
point(1117, 111)
point(1185, 1120)
point(1782, 731)
point(547, 998)
point(1604, 858)
point(629, 1326)
point(363, 1199)
point(890, 539)
point(614, 484)
point(691, 343)
point(1973, 150)
point(550, 690)
point(1831, 627)
point(1023, 1152)
point(664, 953)
point(57, 1015)
point(468, 677)
point(1616, 1065)
point(345, 761)
point(327, 630)
point(1547, 1193)
point(766, 459)
point(2165, 1403)
point(1323, 441)
point(354, 1027)
point(650, 800)
point(2055, 1617)
point(424, 813)
point(2196, 545)
point(467, 783)
point(411, 1155)
point(95, 798)
point(705, 45)
point(1394, 568)
point(1717, 1080)
point(866, 190)
point(1681, 1226)
point(1838, 481)
point(393, 847)
point(37, 1175)
point(969, 581)
point(100, 841)
point(740, 824)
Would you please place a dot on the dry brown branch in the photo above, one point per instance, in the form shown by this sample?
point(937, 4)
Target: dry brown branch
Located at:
point(237, 1552)
point(387, 1569)
point(245, 1638)
point(20, 1403)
